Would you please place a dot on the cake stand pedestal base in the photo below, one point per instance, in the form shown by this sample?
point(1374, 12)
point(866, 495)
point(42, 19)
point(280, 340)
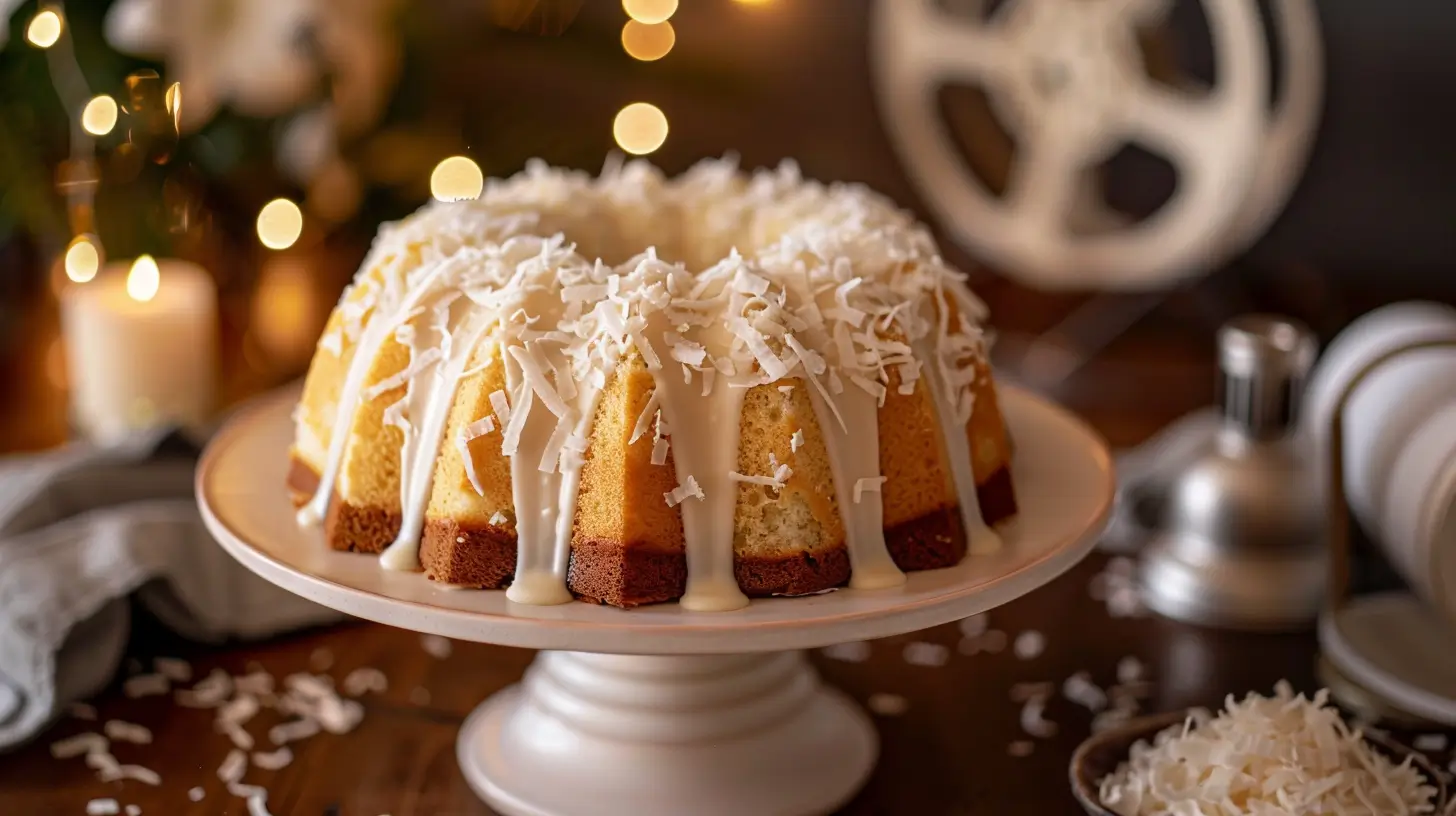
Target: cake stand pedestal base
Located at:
point(705, 734)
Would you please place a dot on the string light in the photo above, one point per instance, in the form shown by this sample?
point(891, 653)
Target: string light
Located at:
point(647, 42)
point(640, 128)
point(650, 12)
point(82, 259)
point(44, 29)
point(280, 222)
point(144, 279)
point(99, 115)
point(456, 178)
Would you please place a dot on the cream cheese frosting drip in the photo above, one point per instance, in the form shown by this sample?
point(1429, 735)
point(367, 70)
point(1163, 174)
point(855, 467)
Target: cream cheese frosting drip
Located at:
point(747, 279)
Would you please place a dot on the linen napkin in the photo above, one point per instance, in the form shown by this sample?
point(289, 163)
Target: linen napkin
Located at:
point(83, 527)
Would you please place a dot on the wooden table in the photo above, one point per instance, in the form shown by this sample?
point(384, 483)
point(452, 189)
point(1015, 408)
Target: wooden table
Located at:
point(946, 754)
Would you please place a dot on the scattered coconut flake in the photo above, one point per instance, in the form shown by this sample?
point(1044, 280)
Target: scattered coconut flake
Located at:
point(133, 810)
point(321, 659)
point(1129, 670)
point(292, 731)
point(855, 651)
point(173, 668)
point(420, 696)
point(888, 705)
point(239, 735)
point(196, 794)
point(258, 804)
point(870, 484)
point(255, 683)
point(919, 653)
point(233, 766)
point(501, 406)
point(1029, 644)
point(796, 441)
point(136, 773)
point(498, 519)
point(1080, 689)
point(102, 807)
point(436, 646)
point(786, 390)
point(1244, 755)
point(659, 451)
point(1033, 719)
point(273, 760)
point(88, 742)
point(364, 680)
point(211, 692)
point(688, 488)
point(975, 625)
point(82, 711)
point(146, 685)
point(1021, 748)
point(128, 732)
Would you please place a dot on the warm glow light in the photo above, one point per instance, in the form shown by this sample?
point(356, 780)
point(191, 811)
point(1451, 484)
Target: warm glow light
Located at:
point(649, 11)
point(455, 178)
point(82, 259)
point(44, 29)
point(647, 42)
point(640, 128)
point(280, 222)
point(144, 279)
point(99, 115)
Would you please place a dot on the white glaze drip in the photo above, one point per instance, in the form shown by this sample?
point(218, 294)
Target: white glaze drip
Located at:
point(376, 332)
point(854, 454)
point(422, 440)
point(980, 538)
point(545, 501)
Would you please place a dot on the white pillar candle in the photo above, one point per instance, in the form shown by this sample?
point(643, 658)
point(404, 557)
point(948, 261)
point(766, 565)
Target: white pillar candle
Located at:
point(141, 347)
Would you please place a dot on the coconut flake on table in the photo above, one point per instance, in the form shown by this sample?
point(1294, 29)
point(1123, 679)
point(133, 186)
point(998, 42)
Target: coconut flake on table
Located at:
point(888, 705)
point(1129, 670)
point(1033, 719)
point(920, 653)
point(102, 807)
point(1430, 743)
point(146, 685)
point(420, 696)
point(293, 730)
point(273, 760)
point(1029, 644)
point(133, 810)
point(321, 659)
point(173, 668)
point(363, 680)
point(975, 625)
point(196, 794)
point(136, 773)
point(1080, 689)
point(88, 742)
point(855, 651)
point(1245, 754)
point(436, 646)
point(121, 731)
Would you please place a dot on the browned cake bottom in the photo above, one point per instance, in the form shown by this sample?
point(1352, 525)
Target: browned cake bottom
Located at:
point(629, 574)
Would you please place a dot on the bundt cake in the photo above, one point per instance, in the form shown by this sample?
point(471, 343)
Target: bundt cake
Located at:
point(631, 389)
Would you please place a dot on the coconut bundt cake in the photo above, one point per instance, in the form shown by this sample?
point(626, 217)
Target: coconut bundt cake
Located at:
point(630, 389)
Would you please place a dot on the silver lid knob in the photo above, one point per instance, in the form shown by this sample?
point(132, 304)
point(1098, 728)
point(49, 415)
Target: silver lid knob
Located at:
point(1263, 362)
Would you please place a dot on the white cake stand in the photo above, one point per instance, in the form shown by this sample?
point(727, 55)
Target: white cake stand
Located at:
point(659, 710)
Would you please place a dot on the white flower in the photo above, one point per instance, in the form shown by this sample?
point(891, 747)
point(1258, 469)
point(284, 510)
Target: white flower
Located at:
point(263, 58)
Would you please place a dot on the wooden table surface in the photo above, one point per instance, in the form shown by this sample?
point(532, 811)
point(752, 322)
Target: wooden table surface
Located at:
point(946, 754)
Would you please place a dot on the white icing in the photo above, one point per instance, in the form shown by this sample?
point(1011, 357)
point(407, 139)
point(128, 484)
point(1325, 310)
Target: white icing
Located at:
point(834, 286)
point(980, 538)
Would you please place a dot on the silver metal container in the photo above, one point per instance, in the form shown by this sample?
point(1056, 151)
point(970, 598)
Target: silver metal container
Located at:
point(1240, 542)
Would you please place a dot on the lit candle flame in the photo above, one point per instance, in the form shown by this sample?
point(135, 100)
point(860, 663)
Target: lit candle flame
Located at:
point(144, 279)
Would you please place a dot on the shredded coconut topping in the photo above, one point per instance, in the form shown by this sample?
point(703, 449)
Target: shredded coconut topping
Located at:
point(1264, 755)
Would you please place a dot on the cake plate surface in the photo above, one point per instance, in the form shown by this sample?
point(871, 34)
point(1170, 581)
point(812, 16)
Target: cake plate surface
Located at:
point(660, 710)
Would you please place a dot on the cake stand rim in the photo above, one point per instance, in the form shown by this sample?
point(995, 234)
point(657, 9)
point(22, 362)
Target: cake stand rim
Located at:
point(621, 635)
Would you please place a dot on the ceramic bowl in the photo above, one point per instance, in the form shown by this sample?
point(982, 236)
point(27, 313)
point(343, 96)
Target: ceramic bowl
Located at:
point(1100, 754)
